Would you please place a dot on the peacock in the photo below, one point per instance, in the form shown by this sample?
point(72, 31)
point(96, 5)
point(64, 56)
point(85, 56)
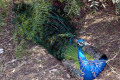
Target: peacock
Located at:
point(54, 36)
point(57, 32)
point(90, 62)
point(89, 68)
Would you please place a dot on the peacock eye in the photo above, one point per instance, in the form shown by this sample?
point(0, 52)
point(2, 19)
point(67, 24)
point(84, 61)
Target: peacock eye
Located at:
point(82, 73)
point(80, 43)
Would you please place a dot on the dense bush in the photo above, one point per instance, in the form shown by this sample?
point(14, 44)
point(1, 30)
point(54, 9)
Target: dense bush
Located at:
point(40, 23)
point(3, 6)
point(72, 7)
point(3, 12)
point(29, 22)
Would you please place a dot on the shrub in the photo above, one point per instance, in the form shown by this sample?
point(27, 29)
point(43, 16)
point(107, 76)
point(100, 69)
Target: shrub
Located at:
point(72, 7)
point(39, 23)
point(3, 6)
point(29, 22)
point(3, 12)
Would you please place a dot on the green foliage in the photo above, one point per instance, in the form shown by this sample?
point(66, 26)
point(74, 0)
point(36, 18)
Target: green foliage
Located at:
point(31, 18)
point(102, 3)
point(20, 51)
point(1, 21)
point(73, 7)
point(62, 1)
point(3, 6)
point(3, 12)
point(118, 7)
point(38, 23)
point(19, 43)
point(95, 5)
point(29, 23)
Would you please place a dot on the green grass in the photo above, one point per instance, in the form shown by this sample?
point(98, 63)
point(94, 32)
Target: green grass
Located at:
point(3, 6)
point(3, 12)
point(72, 7)
point(20, 48)
point(1, 21)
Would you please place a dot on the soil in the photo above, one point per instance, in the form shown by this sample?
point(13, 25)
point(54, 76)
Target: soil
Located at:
point(39, 65)
point(100, 29)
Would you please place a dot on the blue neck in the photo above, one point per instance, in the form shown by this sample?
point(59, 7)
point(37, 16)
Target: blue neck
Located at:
point(81, 55)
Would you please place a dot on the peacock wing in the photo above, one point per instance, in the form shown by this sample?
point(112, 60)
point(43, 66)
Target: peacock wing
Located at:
point(92, 51)
point(92, 68)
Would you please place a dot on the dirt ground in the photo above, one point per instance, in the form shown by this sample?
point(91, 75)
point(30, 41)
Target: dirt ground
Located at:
point(101, 30)
point(39, 65)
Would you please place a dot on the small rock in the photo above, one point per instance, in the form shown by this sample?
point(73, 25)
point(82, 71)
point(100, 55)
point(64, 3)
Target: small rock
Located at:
point(12, 61)
point(53, 70)
point(68, 76)
point(9, 44)
point(1, 51)
point(41, 66)
point(26, 73)
point(82, 32)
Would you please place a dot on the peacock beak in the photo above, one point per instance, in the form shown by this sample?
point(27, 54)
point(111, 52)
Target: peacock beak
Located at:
point(79, 44)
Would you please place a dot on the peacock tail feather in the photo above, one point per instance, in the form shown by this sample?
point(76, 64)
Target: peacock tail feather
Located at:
point(57, 33)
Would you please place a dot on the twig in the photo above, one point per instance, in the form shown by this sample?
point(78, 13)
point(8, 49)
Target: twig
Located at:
point(12, 61)
point(113, 57)
point(113, 69)
point(111, 66)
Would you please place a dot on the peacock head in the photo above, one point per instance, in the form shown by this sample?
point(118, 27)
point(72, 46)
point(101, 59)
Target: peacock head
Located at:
point(80, 43)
